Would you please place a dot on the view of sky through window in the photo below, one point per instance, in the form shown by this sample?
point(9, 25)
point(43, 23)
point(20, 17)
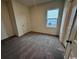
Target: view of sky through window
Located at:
point(53, 13)
point(52, 16)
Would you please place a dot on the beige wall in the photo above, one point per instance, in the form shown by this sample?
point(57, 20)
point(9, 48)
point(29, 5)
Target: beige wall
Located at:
point(27, 19)
point(12, 17)
point(38, 17)
point(6, 26)
point(22, 17)
point(3, 31)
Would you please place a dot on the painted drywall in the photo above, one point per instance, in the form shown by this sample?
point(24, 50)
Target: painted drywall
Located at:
point(22, 17)
point(12, 16)
point(6, 26)
point(38, 17)
point(3, 31)
point(27, 19)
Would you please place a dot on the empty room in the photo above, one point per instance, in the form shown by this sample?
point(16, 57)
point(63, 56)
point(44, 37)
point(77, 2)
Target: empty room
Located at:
point(38, 29)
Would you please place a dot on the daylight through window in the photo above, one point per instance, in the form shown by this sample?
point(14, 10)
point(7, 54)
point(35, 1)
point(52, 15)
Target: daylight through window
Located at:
point(52, 16)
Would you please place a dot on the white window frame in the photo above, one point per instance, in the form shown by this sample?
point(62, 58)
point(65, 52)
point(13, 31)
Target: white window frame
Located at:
point(56, 18)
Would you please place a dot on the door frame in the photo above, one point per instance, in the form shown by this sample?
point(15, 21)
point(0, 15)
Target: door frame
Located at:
point(69, 30)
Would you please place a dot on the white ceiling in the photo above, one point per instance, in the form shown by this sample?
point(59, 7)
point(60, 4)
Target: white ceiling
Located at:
point(35, 2)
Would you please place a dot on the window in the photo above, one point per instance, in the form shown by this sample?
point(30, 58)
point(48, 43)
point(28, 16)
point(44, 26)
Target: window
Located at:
point(52, 16)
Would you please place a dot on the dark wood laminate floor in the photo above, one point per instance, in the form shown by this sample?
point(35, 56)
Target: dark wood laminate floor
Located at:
point(32, 46)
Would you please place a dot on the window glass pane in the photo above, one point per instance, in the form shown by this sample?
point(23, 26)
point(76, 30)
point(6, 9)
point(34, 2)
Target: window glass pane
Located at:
point(52, 16)
point(52, 22)
point(53, 13)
